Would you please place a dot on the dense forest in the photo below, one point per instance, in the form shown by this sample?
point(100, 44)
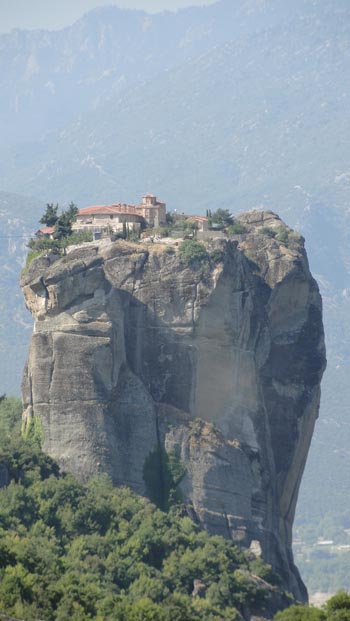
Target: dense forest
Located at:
point(97, 552)
point(103, 553)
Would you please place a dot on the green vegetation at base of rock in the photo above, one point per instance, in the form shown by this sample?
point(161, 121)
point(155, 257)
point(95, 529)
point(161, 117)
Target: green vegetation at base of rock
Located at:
point(10, 417)
point(300, 613)
point(32, 429)
point(103, 553)
point(337, 608)
point(162, 473)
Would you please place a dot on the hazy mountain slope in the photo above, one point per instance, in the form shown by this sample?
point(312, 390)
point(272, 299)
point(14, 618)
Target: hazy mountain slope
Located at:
point(248, 121)
point(49, 77)
point(18, 215)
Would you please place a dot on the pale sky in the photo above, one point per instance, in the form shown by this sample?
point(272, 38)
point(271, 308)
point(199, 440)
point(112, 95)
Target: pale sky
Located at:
point(55, 14)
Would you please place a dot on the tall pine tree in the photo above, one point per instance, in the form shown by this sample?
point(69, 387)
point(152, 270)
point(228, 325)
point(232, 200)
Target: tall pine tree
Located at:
point(50, 216)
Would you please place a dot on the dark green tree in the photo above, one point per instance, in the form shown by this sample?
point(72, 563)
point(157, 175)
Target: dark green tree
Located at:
point(72, 211)
point(63, 227)
point(50, 216)
point(170, 219)
point(338, 607)
point(301, 613)
point(221, 217)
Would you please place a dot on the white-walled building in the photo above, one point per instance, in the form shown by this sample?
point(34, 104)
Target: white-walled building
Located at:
point(106, 219)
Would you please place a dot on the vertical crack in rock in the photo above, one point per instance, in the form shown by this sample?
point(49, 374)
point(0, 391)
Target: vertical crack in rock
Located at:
point(218, 367)
point(44, 287)
point(51, 371)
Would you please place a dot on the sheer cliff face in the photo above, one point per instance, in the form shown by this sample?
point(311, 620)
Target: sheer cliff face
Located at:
point(136, 355)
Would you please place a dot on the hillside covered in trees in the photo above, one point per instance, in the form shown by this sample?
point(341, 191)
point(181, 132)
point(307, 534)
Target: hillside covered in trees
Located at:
point(103, 553)
point(100, 552)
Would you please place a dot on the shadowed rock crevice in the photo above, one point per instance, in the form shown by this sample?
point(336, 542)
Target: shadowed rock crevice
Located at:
point(196, 384)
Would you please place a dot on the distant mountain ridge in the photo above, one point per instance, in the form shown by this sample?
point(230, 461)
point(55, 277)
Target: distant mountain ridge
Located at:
point(69, 72)
point(235, 102)
point(49, 77)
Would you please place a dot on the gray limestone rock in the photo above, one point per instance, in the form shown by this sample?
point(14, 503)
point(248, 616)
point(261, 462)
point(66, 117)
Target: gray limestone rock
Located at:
point(218, 366)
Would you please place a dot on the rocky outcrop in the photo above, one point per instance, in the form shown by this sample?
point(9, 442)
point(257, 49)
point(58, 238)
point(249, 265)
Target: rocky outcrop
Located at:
point(199, 381)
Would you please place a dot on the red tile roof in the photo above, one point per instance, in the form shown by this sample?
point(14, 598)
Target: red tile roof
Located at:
point(199, 218)
point(47, 230)
point(108, 210)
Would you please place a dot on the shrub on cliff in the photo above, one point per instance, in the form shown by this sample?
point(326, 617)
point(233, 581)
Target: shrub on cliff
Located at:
point(77, 237)
point(103, 553)
point(42, 246)
point(236, 228)
point(217, 256)
point(282, 235)
point(192, 253)
point(266, 230)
